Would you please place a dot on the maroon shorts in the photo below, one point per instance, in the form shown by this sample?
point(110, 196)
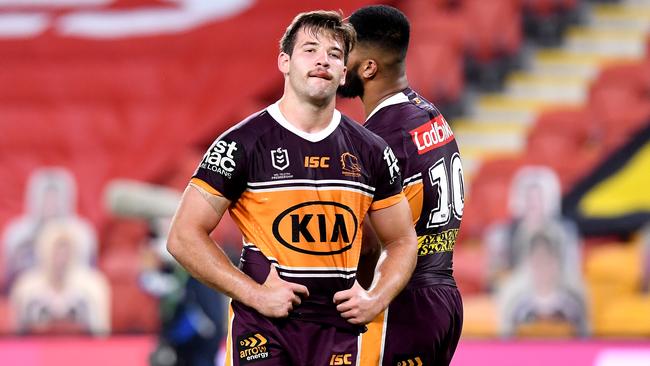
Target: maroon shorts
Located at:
point(421, 326)
point(260, 341)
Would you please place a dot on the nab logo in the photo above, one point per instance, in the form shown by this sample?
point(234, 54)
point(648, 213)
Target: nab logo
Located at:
point(280, 158)
point(341, 359)
point(317, 228)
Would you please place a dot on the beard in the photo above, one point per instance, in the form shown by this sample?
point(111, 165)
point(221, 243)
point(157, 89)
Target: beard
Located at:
point(353, 86)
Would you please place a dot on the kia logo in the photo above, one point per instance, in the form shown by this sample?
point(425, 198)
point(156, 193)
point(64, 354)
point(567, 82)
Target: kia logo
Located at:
point(316, 229)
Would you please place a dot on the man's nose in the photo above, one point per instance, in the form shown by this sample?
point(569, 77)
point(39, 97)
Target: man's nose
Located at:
point(323, 59)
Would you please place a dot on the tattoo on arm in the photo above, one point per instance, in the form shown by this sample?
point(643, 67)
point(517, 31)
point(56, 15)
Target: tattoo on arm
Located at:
point(212, 199)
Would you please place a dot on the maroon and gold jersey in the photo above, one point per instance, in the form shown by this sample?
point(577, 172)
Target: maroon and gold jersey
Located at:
point(432, 177)
point(299, 199)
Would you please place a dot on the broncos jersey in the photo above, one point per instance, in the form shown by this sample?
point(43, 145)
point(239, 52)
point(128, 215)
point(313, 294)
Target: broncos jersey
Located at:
point(299, 199)
point(432, 178)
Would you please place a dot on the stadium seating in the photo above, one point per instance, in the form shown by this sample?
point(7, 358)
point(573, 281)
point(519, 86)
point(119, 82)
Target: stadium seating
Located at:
point(546, 20)
point(435, 71)
point(487, 198)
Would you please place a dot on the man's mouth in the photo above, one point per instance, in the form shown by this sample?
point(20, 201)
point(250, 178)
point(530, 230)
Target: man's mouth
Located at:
point(320, 74)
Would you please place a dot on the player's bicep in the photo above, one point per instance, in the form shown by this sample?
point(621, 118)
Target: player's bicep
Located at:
point(199, 210)
point(369, 243)
point(392, 223)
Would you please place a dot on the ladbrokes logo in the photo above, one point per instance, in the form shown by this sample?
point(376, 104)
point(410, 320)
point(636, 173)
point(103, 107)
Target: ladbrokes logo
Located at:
point(432, 134)
point(221, 158)
point(253, 347)
point(317, 227)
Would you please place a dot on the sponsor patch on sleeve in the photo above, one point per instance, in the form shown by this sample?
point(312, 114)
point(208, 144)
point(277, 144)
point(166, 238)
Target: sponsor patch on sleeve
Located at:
point(221, 158)
point(432, 134)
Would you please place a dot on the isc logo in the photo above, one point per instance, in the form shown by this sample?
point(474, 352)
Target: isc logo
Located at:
point(341, 359)
point(317, 162)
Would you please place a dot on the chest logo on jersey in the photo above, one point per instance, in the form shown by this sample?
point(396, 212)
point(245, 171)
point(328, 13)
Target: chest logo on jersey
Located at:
point(432, 134)
point(280, 158)
point(317, 161)
point(317, 227)
point(350, 165)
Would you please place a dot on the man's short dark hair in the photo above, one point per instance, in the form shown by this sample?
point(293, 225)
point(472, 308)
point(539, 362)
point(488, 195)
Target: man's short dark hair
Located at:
point(382, 26)
point(316, 21)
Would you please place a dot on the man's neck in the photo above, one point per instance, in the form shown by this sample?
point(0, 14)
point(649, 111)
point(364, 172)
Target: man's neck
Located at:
point(304, 115)
point(377, 91)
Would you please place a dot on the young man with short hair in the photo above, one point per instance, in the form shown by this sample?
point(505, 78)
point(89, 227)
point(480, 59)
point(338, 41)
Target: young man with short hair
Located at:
point(298, 179)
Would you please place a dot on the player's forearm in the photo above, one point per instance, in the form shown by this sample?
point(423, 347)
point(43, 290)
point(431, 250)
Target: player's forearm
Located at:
point(394, 269)
point(207, 262)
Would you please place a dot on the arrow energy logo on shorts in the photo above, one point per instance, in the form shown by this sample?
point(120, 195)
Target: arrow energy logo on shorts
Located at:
point(413, 361)
point(252, 347)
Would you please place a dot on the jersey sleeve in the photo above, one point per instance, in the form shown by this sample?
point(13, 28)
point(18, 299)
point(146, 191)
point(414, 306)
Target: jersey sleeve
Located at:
point(388, 182)
point(222, 170)
point(398, 142)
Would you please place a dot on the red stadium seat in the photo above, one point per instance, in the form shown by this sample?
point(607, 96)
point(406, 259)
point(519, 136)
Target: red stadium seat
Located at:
point(352, 108)
point(469, 267)
point(574, 124)
point(436, 71)
point(619, 112)
point(635, 76)
point(133, 311)
point(487, 198)
point(547, 8)
point(496, 31)
point(441, 27)
point(565, 140)
point(417, 10)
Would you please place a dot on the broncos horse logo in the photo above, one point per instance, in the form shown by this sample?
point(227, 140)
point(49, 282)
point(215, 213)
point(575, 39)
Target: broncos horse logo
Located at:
point(350, 165)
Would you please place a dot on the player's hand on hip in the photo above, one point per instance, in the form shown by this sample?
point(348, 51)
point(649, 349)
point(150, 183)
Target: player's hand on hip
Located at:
point(279, 297)
point(356, 305)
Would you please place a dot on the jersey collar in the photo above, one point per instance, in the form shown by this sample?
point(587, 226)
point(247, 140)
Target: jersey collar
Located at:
point(274, 111)
point(393, 99)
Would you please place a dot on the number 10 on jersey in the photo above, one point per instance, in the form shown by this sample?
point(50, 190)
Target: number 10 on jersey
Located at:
point(448, 181)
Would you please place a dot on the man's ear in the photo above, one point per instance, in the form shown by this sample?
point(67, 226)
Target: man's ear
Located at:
point(283, 62)
point(368, 68)
point(345, 72)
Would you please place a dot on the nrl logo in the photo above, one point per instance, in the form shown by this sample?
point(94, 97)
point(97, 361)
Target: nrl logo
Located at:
point(280, 158)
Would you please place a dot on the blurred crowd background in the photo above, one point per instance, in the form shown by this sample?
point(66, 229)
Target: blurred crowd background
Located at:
point(106, 107)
